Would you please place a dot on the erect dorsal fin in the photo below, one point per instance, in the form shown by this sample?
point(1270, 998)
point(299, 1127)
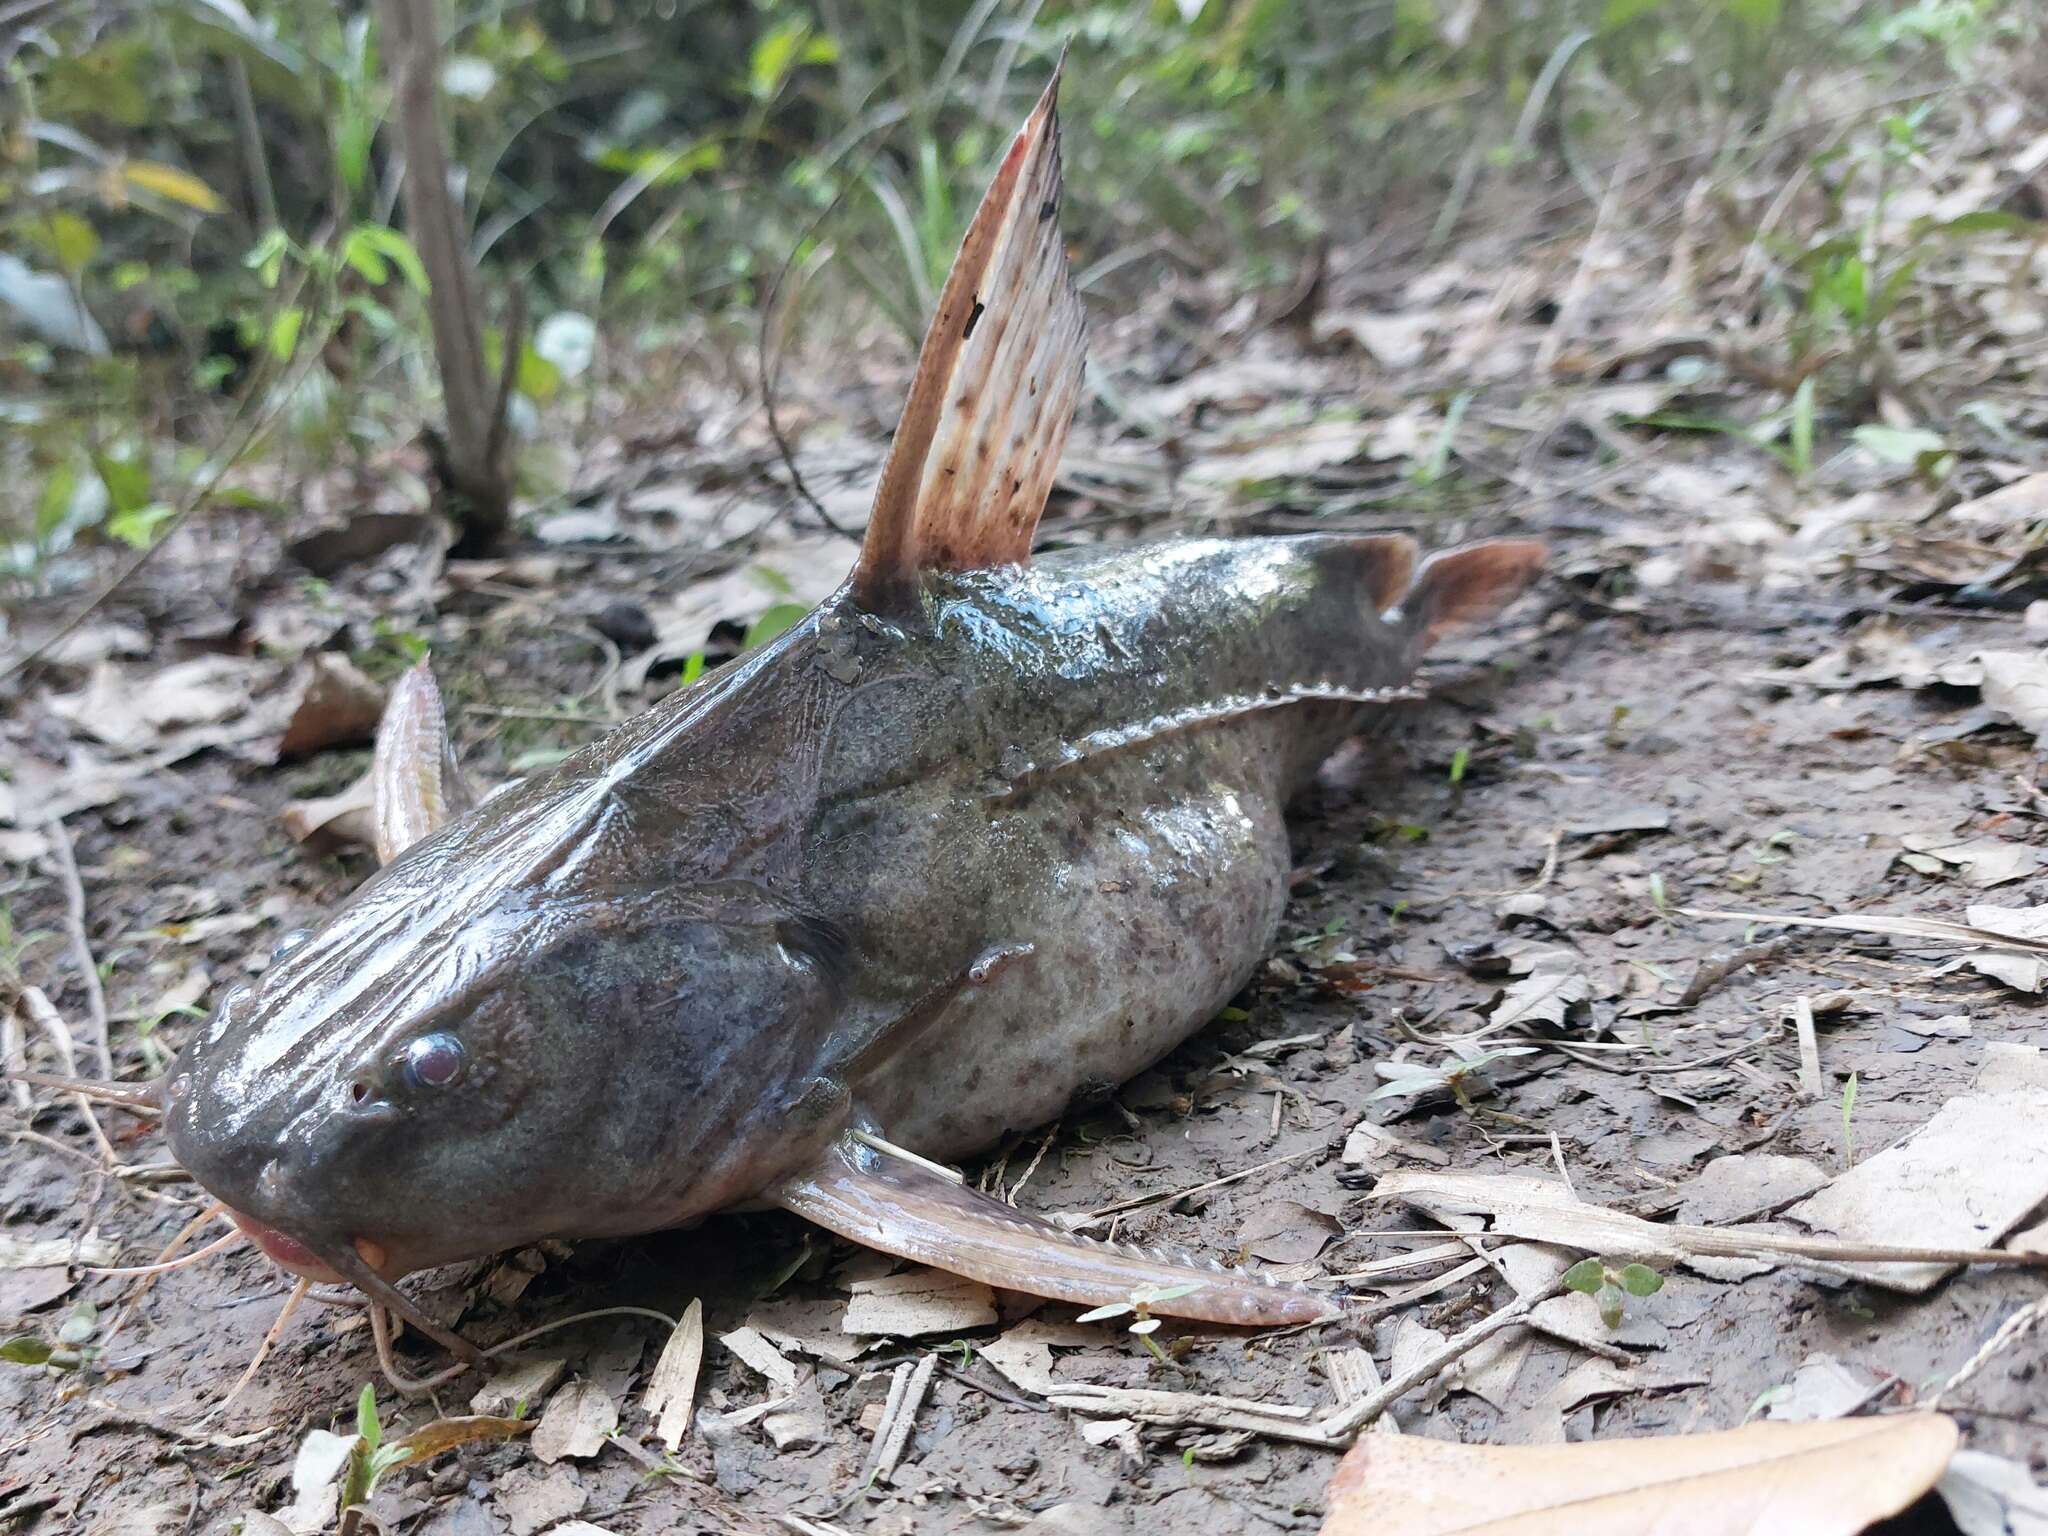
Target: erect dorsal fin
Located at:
point(416, 785)
point(981, 433)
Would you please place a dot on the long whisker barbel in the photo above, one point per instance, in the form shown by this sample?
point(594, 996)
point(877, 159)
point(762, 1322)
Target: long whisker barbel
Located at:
point(165, 1266)
point(137, 1098)
point(171, 1250)
point(291, 1305)
point(413, 1386)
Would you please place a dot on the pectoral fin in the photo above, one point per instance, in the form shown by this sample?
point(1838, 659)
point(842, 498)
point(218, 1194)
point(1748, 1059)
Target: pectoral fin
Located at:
point(909, 1210)
point(415, 782)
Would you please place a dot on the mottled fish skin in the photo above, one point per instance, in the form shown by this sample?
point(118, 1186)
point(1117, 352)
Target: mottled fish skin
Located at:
point(680, 962)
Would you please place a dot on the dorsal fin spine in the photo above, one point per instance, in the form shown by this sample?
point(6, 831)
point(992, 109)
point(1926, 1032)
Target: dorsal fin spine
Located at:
point(994, 392)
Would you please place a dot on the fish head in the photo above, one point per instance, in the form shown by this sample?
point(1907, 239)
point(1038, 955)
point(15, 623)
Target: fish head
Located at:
point(484, 1049)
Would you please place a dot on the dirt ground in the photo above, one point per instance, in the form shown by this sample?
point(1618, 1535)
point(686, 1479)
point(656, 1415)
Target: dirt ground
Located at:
point(1630, 742)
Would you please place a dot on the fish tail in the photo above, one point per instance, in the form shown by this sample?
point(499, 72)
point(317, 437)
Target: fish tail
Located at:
point(1456, 588)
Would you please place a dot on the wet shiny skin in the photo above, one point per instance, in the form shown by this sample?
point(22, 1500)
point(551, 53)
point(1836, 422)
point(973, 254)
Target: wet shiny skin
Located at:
point(677, 965)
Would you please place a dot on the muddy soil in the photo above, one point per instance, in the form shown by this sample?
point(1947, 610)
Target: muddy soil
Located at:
point(1575, 717)
point(1615, 751)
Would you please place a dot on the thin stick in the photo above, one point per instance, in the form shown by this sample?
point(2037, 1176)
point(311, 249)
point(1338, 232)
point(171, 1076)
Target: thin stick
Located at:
point(1343, 1425)
point(380, 1330)
point(81, 947)
point(1136, 1201)
point(2009, 1332)
point(46, 1018)
point(1809, 1047)
point(14, 1058)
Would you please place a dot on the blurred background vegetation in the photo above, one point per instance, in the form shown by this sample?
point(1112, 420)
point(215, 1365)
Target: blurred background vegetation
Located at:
point(204, 253)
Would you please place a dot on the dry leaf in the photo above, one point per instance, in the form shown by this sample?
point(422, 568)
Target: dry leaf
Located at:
point(579, 1420)
point(431, 1440)
point(334, 705)
point(2024, 501)
point(1822, 1388)
point(1396, 342)
point(917, 1302)
point(1829, 1479)
point(763, 1358)
point(345, 819)
point(2023, 973)
point(2016, 685)
point(672, 1389)
point(1543, 996)
point(1991, 1496)
point(51, 1252)
point(1287, 1232)
point(530, 1501)
point(1983, 860)
point(1963, 1180)
point(518, 1384)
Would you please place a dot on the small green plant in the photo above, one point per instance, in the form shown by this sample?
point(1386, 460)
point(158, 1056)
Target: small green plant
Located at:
point(1431, 468)
point(73, 1347)
point(1610, 1288)
point(1138, 1308)
point(371, 1458)
point(1460, 760)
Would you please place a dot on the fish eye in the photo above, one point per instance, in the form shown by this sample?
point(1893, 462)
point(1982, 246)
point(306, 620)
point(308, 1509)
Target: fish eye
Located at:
point(290, 942)
point(433, 1061)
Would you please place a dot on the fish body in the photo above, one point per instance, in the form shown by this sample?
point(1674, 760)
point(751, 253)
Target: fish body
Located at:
point(977, 835)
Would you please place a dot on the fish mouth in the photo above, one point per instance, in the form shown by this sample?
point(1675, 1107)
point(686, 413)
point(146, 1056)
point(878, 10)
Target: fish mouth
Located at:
point(288, 1253)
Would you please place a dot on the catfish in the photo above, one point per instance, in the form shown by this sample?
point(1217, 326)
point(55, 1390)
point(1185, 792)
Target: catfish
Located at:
point(981, 833)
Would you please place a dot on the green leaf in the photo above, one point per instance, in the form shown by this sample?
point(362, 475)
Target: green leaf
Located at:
point(78, 1324)
point(1842, 284)
point(369, 246)
point(1986, 221)
point(1619, 13)
point(1585, 1277)
point(266, 257)
point(352, 142)
point(1460, 759)
point(539, 380)
point(1802, 426)
point(59, 494)
point(127, 480)
point(1899, 445)
point(1103, 1314)
point(772, 623)
point(669, 166)
point(365, 260)
point(782, 50)
point(284, 332)
point(25, 1349)
point(1640, 1280)
point(367, 1423)
point(71, 240)
point(137, 527)
point(1757, 15)
point(1610, 1299)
